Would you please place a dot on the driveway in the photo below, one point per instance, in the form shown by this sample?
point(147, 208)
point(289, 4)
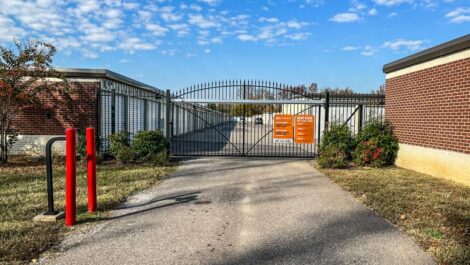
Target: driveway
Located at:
point(232, 138)
point(243, 211)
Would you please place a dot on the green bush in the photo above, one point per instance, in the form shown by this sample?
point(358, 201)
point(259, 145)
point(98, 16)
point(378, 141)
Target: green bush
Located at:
point(160, 159)
point(119, 147)
point(336, 147)
point(125, 155)
point(81, 146)
point(148, 143)
point(333, 157)
point(376, 145)
point(146, 146)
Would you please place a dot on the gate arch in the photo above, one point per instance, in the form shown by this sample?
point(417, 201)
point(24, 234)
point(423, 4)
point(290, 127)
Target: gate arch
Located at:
point(236, 118)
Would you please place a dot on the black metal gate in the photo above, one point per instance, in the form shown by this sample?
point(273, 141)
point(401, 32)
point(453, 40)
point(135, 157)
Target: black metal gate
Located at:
point(236, 118)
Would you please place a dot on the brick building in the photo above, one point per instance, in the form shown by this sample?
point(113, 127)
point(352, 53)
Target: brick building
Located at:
point(428, 103)
point(102, 99)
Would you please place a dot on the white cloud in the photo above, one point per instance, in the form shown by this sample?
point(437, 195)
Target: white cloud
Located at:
point(167, 13)
point(207, 50)
point(90, 54)
point(368, 50)
point(9, 31)
point(246, 37)
point(134, 44)
point(459, 15)
point(357, 6)
point(298, 36)
point(392, 2)
point(349, 48)
point(91, 27)
point(314, 3)
point(345, 17)
point(412, 45)
point(211, 2)
point(296, 25)
point(270, 20)
point(156, 29)
point(372, 12)
point(203, 22)
point(181, 29)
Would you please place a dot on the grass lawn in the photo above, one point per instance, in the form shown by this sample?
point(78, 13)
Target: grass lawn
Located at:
point(23, 195)
point(434, 212)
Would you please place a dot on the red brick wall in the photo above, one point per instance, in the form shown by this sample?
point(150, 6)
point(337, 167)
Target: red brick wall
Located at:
point(431, 107)
point(79, 113)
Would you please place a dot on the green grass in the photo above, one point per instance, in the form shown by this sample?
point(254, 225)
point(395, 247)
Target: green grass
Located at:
point(23, 195)
point(434, 212)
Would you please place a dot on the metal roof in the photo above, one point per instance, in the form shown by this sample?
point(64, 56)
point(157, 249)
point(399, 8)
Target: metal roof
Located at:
point(452, 46)
point(104, 73)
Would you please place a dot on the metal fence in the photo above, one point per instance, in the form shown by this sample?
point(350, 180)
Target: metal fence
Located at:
point(123, 107)
point(228, 118)
point(354, 110)
point(246, 110)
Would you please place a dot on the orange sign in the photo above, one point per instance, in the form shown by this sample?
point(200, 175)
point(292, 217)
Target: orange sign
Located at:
point(304, 129)
point(282, 131)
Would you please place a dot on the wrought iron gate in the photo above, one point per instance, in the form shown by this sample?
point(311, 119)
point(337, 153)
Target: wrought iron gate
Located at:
point(236, 118)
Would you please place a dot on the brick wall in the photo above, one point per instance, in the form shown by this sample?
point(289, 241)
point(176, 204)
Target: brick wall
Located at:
point(79, 113)
point(431, 107)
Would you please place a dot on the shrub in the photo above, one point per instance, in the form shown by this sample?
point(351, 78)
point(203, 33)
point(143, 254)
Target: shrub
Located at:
point(146, 146)
point(336, 147)
point(332, 157)
point(119, 147)
point(148, 143)
point(376, 145)
point(160, 159)
point(125, 155)
point(81, 146)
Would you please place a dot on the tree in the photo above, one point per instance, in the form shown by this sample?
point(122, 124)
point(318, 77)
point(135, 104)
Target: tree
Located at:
point(379, 91)
point(25, 78)
point(339, 91)
point(313, 88)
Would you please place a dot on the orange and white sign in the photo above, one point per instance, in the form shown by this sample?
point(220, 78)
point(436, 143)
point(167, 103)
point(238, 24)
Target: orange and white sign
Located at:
point(304, 129)
point(283, 129)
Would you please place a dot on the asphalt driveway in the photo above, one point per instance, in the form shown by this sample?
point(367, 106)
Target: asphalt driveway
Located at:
point(243, 211)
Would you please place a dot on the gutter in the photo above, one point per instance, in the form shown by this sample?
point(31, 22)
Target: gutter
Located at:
point(107, 74)
point(441, 50)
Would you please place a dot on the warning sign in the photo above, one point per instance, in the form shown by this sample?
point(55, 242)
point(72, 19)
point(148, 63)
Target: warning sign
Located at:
point(282, 131)
point(304, 129)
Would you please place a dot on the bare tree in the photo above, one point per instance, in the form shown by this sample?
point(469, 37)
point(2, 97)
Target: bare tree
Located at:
point(25, 72)
point(379, 91)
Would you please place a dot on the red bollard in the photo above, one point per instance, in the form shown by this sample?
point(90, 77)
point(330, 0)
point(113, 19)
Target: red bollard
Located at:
point(91, 163)
point(70, 176)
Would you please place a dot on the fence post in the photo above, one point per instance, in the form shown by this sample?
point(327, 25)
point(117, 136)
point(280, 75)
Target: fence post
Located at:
point(91, 166)
point(167, 118)
point(146, 116)
point(70, 176)
point(360, 117)
point(327, 110)
point(244, 118)
point(113, 111)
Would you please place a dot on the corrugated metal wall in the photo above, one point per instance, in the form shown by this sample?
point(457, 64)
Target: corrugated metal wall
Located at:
point(128, 108)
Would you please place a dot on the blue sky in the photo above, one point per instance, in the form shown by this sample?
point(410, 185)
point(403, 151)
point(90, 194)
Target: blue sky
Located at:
point(173, 44)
